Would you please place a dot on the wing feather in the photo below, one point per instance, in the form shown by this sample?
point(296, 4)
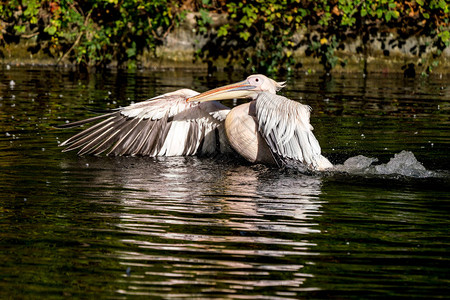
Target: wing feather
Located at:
point(166, 125)
point(85, 132)
point(285, 126)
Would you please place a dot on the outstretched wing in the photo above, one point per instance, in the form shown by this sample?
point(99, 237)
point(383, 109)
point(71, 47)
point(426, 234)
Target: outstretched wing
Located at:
point(285, 126)
point(166, 125)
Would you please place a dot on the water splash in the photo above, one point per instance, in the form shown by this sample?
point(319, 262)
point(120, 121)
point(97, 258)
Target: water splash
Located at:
point(403, 163)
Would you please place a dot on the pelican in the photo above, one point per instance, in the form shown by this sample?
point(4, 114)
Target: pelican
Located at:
point(270, 129)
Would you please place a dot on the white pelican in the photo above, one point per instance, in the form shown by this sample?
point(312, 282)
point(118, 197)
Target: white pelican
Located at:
point(270, 129)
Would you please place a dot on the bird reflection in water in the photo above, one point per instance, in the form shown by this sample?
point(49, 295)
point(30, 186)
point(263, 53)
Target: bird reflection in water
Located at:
point(193, 224)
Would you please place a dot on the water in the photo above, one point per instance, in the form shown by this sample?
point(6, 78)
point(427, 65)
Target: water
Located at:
point(193, 227)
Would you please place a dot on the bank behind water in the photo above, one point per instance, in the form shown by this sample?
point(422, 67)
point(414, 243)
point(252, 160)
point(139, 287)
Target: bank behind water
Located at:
point(384, 54)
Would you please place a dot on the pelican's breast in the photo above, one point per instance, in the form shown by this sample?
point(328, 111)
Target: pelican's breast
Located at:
point(241, 129)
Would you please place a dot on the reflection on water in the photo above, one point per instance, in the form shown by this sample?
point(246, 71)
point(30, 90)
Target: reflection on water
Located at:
point(207, 228)
point(218, 227)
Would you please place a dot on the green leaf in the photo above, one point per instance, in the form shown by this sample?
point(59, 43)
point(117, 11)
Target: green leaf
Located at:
point(51, 30)
point(131, 52)
point(445, 36)
point(244, 35)
point(379, 13)
point(223, 30)
point(19, 28)
point(388, 16)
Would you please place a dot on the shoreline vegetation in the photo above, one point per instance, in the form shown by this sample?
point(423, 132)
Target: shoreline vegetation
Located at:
point(273, 37)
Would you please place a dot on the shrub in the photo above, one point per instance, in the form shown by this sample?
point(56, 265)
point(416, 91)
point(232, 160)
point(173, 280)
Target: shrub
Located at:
point(90, 33)
point(260, 35)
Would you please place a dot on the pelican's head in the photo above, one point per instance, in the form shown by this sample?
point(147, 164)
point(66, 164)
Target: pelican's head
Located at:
point(249, 88)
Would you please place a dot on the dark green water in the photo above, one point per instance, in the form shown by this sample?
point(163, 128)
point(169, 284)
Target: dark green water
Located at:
point(193, 227)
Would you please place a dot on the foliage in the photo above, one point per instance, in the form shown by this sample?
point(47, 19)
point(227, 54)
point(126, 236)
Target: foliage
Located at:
point(260, 31)
point(261, 35)
point(264, 32)
point(90, 33)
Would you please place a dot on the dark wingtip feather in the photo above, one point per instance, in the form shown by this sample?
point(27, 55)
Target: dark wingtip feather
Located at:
point(85, 121)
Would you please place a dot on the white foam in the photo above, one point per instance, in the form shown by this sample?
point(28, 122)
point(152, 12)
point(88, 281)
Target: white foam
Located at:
point(403, 163)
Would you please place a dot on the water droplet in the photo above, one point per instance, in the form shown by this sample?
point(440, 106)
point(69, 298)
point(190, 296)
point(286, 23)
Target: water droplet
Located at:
point(43, 149)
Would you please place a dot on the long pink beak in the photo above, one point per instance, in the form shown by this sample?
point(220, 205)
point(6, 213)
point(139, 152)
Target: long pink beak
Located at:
point(241, 89)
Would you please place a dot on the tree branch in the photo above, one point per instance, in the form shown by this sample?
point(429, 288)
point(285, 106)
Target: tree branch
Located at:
point(80, 35)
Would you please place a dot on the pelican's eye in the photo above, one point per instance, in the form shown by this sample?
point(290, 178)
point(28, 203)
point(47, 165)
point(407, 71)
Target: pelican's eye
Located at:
point(256, 81)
